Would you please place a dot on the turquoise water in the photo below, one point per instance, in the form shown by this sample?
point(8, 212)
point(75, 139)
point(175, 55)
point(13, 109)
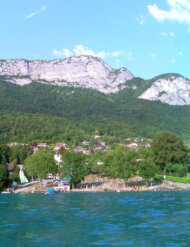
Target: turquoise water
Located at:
point(95, 219)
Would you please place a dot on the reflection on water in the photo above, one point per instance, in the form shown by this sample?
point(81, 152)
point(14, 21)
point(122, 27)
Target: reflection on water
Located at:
point(95, 219)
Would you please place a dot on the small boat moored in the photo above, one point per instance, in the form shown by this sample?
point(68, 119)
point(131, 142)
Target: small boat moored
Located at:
point(51, 191)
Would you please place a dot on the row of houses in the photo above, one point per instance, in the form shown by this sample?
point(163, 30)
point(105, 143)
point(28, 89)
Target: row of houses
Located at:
point(85, 146)
point(135, 145)
point(45, 145)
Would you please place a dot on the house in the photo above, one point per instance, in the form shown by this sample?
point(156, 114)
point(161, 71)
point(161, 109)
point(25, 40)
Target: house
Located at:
point(96, 136)
point(147, 145)
point(100, 163)
point(59, 145)
point(102, 143)
point(42, 145)
point(139, 160)
point(132, 145)
point(129, 145)
point(98, 147)
point(87, 152)
point(85, 142)
point(79, 149)
point(10, 168)
point(35, 149)
point(50, 176)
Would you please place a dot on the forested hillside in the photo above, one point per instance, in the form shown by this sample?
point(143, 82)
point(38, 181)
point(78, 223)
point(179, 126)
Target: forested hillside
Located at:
point(45, 112)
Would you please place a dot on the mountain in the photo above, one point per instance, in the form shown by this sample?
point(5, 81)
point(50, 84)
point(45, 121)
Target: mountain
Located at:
point(172, 89)
point(92, 72)
point(42, 110)
point(83, 71)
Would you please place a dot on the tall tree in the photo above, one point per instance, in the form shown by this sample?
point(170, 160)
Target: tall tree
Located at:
point(19, 153)
point(74, 166)
point(168, 148)
point(120, 163)
point(4, 153)
point(146, 167)
point(4, 158)
point(3, 176)
point(40, 164)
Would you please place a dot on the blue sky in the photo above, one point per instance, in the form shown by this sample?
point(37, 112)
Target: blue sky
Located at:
point(149, 37)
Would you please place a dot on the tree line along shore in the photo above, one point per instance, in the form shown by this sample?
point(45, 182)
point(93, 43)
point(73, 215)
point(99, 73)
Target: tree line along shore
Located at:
point(120, 166)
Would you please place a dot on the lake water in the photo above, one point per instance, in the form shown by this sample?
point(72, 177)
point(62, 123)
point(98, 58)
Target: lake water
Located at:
point(95, 219)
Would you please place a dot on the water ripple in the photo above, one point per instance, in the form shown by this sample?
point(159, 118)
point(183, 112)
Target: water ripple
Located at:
point(95, 219)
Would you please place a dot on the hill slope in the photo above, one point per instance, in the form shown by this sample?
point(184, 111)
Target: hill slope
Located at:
point(45, 112)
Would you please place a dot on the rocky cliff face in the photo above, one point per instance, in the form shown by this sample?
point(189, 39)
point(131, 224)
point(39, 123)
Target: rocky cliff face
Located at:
point(174, 90)
point(92, 72)
point(82, 71)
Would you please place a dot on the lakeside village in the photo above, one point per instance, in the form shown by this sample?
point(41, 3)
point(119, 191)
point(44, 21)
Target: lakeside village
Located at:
point(134, 164)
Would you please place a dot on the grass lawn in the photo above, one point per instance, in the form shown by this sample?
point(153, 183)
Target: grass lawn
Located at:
point(184, 180)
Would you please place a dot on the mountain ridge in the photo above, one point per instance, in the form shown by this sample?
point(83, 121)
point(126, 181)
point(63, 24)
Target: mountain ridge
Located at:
point(92, 72)
point(83, 71)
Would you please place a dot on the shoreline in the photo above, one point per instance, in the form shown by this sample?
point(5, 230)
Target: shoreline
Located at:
point(166, 186)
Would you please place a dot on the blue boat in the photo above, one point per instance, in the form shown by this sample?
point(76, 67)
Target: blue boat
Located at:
point(51, 191)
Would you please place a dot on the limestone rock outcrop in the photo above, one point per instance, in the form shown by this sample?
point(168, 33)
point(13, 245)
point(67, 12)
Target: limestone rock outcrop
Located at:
point(83, 71)
point(174, 90)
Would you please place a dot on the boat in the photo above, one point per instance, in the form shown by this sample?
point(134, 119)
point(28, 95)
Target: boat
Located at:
point(51, 191)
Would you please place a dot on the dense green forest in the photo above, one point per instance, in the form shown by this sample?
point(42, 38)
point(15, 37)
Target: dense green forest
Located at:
point(41, 112)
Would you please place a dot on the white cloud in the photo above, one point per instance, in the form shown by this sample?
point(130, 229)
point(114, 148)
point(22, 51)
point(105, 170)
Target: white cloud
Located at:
point(83, 50)
point(173, 60)
point(79, 50)
point(30, 15)
point(179, 3)
point(171, 34)
point(188, 30)
point(62, 53)
point(36, 13)
point(180, 53)
point(153, 55)
point(140, 20)
point(116, 53)
point(179, 11)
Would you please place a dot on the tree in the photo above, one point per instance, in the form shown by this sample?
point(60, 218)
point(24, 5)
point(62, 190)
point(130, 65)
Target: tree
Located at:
point(74, 166)
point(4, 158)
point(147, 170)
point(146, 166)
point(177, 169)
point(19, 153)
point(95, 162)
point(120, 163)
point(40, 164)
point(3, 176)
point(168, 148)
point(4, 153)
point(15, 174)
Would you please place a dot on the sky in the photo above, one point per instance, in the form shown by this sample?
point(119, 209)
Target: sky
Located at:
point(149, 37)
